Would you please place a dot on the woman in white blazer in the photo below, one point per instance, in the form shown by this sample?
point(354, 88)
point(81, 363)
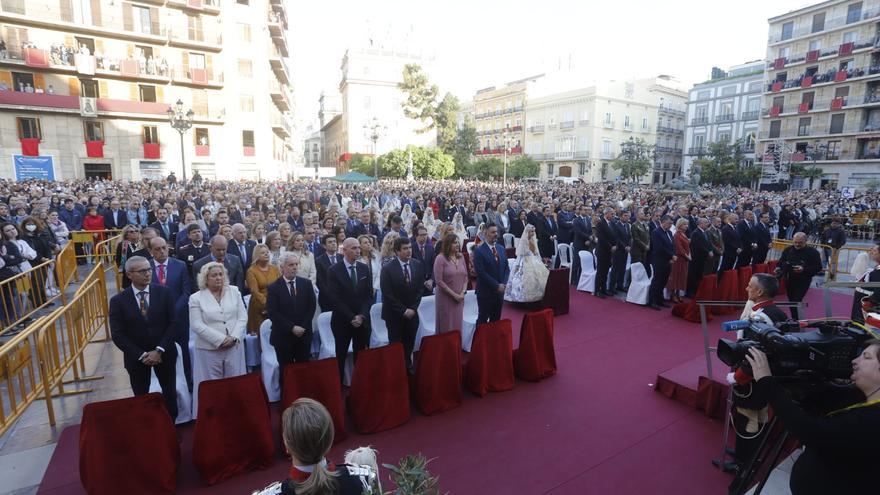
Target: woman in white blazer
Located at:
point(218, 319)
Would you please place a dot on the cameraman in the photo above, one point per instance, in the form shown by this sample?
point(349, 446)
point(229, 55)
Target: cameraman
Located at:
point(841, 447)
point(797, 265)
point(872, 274)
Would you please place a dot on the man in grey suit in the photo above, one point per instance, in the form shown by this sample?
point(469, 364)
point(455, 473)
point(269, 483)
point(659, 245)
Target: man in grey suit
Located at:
point(641, 240)
point(231, 262)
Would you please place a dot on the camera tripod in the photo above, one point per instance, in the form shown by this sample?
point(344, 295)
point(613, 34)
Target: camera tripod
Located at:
point(764, 460)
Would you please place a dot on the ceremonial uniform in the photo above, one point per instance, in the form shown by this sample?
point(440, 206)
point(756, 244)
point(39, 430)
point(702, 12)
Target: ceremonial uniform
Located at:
point(872, 275)
point(350, 479)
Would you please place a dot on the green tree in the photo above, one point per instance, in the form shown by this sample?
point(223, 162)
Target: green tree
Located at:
point(521, 167)
point(635, 161)
point(446, 119)
point(809, 173)
point(722, 165)
point(361, 163)
point(428, 163)
point(487, 168)
point(421, 104)
point(466, 144)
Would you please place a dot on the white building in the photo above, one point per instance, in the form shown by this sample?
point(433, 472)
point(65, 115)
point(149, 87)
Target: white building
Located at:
point(725, 108)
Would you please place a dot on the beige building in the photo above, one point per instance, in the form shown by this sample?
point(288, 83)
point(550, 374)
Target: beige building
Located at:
point(86, 84)
point(821, 102)
point(499, 114)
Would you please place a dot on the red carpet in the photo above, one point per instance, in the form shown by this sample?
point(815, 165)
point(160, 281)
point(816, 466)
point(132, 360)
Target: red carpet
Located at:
point(596, 427)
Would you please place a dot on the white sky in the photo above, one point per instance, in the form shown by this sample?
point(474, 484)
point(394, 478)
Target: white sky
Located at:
point(480, 43)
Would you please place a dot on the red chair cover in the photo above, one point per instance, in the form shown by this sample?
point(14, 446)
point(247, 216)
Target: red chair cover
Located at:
point(728, 289)
point(317, 380)
point(745, 274)
point(437, 385)
point(232, 434)
point(112, 440)
point(490, 366)
point(30, 147)
point(510, 253)
point(535, 359)
point(556, 292)
point(690, 310)
point(379, 395)
point(95, 149)
point(759, 268)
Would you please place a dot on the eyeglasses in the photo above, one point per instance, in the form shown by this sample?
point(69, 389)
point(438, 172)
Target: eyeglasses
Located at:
point(142, 272)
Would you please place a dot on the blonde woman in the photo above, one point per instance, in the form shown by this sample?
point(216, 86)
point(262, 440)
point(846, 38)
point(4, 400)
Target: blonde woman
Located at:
point(226, 231)
point(387, 251)
point(371, 258)
point(307, 267)
point(218, 319)
point(286, 231)
point(273, 242)
point(258, 233)
point(260, 275)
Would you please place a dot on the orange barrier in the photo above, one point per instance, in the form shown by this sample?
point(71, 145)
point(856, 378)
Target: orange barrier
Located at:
point(25, 293)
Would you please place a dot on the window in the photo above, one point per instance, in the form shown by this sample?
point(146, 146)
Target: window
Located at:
point(244, 32)
point(814, 45)
point(606, 147)
point(833, 152)
point(644, 122)
point(196, 61)
point(846, 65)
point(246, 103)
point(626, 124)
point(151, 134)
point(23, 82)
point(724, 137)
point(853, 12)
point(727, 109)
point(778, 101)
point(837, 121)
point(201, 136)
point(89, 43)
point(787, 30)
point(728, 90)
point(818, 22)
point(704, 95)
point(850, 37)
point(141, 19)
point(243, 2)
point(89, 88)
point(702, 111)
point(245, 68)
point(147, 93)
point(841, 92)
point(699, 140)
point(608, 117)
point(247, 139)
point(775, 128)
point(811, 71)
point(550, 169)
point(804, 126)
point(29, 128)
point(94, 131)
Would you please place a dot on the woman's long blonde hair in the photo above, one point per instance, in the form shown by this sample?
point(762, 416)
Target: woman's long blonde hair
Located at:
point(307, 429)
point(388, 244)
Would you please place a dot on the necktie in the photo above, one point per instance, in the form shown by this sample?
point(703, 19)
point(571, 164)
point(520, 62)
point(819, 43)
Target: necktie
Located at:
point(162, 273)
point(142, 295)
point(292, 287)
point(495, 254)
point(333, 259)
point(422, 251)
point(243, 253)
point(354, 279)
point(406, 273)
point(165, 228)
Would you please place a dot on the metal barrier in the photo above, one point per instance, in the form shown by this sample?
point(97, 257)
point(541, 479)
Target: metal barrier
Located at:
point(779, 245)
point(22, 381)
point(25, 293)
point(65, 267)
point(106, 253)
point(87, 242)
point(842, 259)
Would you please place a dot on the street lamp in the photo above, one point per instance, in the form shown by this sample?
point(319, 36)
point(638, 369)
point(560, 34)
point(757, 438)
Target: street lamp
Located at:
point(815, 152)
point(373, 130)
point(505, 137)
point(182, 122)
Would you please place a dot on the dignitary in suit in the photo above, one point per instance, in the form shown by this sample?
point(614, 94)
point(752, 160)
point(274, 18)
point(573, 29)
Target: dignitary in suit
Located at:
point(423, 250)
point(746, 231)
point(194, 251)
point(166, 228)
point(363, 226)
point(565, 219)
point(217, 319)
point(171, 273)
point(115, 218)
point(291, 307)
point(143, 324)
point(582, 237)
point(871, 274)
point(218, 254)
point(714, 234)
point(641, 240)
point(606, 245)
point(797, 265)
point(701, 253)
point(518, 224)
point(322, 266)
point(763, 238)
point(401, 282)
point(624, 245)
point(243, 248)
point(546, 230)
point(732, 242)
point(349, 291)
point(147, 235)
point(490, 263)
point(662, 257)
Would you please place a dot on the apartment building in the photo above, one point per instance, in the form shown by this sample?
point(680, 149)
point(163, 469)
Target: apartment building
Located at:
point(498, 118)
point(821, 102)
point(726, 108)
point(85, 86)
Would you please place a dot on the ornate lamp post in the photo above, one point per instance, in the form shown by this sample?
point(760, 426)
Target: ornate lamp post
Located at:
point(373, 130)
point(182, 122)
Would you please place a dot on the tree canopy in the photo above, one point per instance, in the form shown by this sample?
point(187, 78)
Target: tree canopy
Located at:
point(635, 161)
point(428, 163)
point(723, 165)
point(422, 103)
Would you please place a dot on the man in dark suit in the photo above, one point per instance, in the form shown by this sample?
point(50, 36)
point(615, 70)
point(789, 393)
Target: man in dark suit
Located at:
point(295, 221)
point(701, 251)
point(322, 266)
point(423, 250)
point(732, 243)
point(624, 245)
point(746, 230)
point(401, 282)
point(534, 217)
point(565, 219)
point(763, 238)
point(715, 240)
point(492, 269)
point(242, 247)
point(195, 250)
point(231, 262)
point(546, 231)
point(115, 218)
point(641, 240)
point(147, 235)
point(798, 264)
point(662, 256)
point(457, 208)
point(350, 291)
point(396, 226)
point(173, 275)
point(166, 228)
point(606, 245)
point(290, 304)
point(582, 235)
point(363, 226)
point(143, 323)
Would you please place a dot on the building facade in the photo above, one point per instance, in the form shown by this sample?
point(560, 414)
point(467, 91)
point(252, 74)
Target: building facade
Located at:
point(821, 102)
point(85, 86)
point(498, 119)
point(726, 109)
point(369, 97)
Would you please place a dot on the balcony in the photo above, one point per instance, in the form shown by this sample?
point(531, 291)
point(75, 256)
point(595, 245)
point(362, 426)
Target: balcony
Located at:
point(721, 119)
point(668, 150)
point(281, 43)
point(607, 155)
point(645, 128)
point(702, 120)
point(608, 124)
point(807, 28)
point(536, 129)
point(751, 115)
point(697, 150)
point(204, 6)
point(280, 126)
point(279, 96)
point(203, 38)
point(674, 112)
point(583, 123)
point(669, 130)
point(567, 124)
point(829, 77)
point(627, 127)
point(196, 76)
point(516, 128)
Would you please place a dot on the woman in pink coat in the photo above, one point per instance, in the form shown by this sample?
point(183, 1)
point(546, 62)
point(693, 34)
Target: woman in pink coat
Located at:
point(451, 278)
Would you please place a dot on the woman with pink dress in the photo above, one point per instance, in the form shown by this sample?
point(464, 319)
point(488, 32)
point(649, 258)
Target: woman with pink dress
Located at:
point(450, 277)
point(678, 276)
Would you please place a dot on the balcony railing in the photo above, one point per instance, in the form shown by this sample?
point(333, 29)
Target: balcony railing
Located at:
point(792, 133)
point(844, 49)
point(831, 76)
point(535, 129)
point(697, 150)
point(751, 115)
point(667, 150)
point(700, 120)
point(669, 130)
point(671, 111)
point(567, 124)
point(197, 76)
point(607, 155)
point(833, 23)
point(608, 124)
point(728, 117)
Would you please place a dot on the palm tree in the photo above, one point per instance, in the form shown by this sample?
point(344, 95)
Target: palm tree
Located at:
point(811, 174)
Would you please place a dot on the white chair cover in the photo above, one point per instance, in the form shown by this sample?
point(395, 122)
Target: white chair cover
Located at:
point(509, 240)
point(379, 336)
point(269, 367)
point(639, 285)
point(328, 345)
point(251, 351)
point(587, 282)
point(184, 397)
point(471, 247)
point(563, 253)
point(427, 320)
point(471, 231)
point(469, 325)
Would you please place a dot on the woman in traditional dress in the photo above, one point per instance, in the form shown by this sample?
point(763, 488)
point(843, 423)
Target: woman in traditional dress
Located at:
point(528, 277)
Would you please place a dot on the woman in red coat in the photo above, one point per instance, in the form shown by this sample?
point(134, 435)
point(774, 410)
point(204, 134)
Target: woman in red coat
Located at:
point(93, 222)
point(678, 276)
